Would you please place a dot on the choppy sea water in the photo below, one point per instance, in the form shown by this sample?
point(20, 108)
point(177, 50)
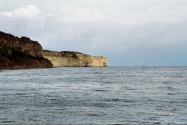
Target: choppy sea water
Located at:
point(114, 95)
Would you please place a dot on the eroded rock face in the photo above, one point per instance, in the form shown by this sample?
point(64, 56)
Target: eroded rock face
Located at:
point(74, 59)
point(19, 53)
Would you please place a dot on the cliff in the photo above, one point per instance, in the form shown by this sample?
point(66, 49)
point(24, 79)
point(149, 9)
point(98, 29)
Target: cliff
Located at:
point(21, 53)
point(74, 59)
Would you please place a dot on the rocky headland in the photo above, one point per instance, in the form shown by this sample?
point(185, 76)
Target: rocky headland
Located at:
point(74, 59)
point(24, 53)
point(21, 53)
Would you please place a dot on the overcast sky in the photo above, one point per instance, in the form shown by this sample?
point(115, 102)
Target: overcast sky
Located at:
point(128, 32)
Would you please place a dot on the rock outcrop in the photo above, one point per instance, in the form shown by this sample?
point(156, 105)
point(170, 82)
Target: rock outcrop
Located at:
point(24, 53)
point(21, 53)
point(74, 59)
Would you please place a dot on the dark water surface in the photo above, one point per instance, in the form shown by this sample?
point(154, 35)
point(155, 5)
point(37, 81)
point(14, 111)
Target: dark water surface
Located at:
point(134, 95)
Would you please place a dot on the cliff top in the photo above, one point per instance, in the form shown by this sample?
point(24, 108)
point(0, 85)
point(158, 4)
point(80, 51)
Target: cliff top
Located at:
point(62, 52)
point(21, 53)
point(23, 44)
point(56, 53)
point(11, 38)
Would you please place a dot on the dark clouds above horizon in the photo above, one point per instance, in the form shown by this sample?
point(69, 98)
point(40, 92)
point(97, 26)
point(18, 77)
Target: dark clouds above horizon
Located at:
point(129, 32)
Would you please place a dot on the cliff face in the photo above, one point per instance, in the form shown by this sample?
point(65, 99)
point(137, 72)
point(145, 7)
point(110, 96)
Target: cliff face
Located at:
point(74, 59)
point(18, 53)
point(21, 53)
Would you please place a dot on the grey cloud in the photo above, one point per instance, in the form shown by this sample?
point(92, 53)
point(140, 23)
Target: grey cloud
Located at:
point(130, 29)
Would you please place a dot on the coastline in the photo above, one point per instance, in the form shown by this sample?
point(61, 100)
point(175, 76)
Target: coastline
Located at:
point(24, 53)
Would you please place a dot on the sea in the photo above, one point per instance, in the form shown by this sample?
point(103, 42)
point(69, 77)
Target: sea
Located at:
point(112, 95)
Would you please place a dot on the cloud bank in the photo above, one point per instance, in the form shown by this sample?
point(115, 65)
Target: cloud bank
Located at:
point(128, 32)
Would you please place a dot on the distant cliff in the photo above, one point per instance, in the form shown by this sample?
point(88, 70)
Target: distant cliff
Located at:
point(19, 53)
point(74, 59)
point(23, 53)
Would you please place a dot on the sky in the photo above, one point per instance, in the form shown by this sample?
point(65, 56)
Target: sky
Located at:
point(128, 32)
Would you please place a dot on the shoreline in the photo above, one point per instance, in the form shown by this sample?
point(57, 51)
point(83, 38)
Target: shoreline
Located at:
point(24, 53)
